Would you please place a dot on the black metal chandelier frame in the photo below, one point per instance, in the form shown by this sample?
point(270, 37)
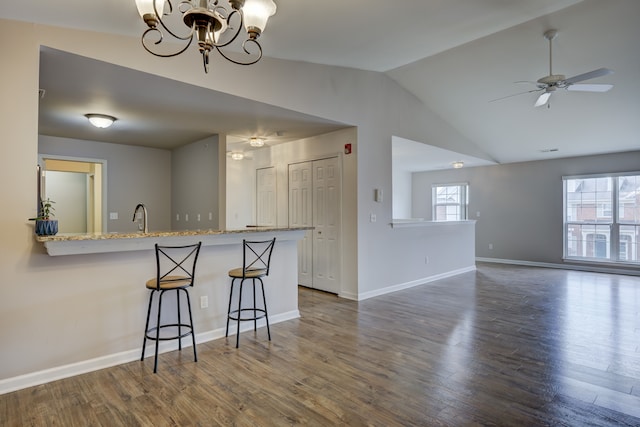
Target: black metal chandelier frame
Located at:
point(206, 19)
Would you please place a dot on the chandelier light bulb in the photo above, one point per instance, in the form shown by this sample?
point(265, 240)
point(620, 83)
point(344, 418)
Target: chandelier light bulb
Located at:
point(256, 13)
point(148, 12)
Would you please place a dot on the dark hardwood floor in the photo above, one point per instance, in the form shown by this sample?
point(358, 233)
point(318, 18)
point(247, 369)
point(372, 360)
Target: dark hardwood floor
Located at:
point(503, 345)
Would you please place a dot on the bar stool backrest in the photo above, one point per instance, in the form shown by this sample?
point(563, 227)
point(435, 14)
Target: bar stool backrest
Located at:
point(256, 256)
point(176, 264)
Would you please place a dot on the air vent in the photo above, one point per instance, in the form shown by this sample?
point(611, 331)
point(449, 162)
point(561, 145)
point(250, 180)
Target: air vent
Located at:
point(548, 150)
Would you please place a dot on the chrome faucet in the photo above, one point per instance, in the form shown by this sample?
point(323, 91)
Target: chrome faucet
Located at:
point(141, 226)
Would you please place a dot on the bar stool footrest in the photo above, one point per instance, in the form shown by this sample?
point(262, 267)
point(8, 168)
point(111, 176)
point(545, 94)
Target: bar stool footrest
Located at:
point(185, 326)
point(234, 315)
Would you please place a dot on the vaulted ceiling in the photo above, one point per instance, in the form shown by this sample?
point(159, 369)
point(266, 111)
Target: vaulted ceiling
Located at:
point(454, 55)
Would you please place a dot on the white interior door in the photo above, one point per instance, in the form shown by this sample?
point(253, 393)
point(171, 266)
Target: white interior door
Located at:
point(300, 215)
point(314, 200)
point(326, 220)
point(266, 196)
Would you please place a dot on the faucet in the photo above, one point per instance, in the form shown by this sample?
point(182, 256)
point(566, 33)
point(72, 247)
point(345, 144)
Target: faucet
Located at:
point(141, 227)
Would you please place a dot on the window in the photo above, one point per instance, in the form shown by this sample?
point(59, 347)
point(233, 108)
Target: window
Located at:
point(602, 218)
point(450, 202)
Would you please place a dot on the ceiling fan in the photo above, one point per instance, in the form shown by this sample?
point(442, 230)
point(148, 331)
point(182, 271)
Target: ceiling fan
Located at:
point(549, 84)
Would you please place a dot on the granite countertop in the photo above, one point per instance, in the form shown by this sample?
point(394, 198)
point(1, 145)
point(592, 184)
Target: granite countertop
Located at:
point(60, 237)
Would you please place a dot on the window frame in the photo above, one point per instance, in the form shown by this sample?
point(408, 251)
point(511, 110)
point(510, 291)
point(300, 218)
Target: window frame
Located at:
point(614, 224)
point(463, 205)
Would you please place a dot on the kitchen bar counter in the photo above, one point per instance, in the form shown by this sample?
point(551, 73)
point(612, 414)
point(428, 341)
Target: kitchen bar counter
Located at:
point(75, 244)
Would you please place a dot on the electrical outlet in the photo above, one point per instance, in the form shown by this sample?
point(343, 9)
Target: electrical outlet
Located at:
point(426, 260)
point(204, 301)
point(490, 246)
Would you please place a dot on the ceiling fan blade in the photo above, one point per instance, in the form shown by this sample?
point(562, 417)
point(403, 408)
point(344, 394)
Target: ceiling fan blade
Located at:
point(590, 87)
point(542, 99)
point(588, 76)
point(526, 81)
point(515, 94)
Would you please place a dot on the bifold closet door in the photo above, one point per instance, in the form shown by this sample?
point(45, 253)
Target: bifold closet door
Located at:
point(300, 215)
point(314, 200)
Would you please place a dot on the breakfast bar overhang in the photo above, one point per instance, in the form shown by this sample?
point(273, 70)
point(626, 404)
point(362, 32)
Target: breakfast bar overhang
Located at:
point(78, 244)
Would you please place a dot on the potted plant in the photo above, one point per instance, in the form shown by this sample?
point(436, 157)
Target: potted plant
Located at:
point(45, 226)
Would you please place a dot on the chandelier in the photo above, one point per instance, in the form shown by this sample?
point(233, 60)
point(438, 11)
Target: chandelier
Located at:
point(211, 24)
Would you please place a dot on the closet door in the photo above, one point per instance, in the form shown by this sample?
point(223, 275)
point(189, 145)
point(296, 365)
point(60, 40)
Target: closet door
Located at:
point(326, 220)
point(300, 215)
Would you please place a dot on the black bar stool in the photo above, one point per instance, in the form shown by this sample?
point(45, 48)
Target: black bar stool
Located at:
point(175, 268)
point(256, 258)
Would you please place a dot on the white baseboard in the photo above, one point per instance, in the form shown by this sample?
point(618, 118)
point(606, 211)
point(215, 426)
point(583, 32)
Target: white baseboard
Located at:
point(348, 295)
point(577, 267)
point(41, 377)
point(411, 284)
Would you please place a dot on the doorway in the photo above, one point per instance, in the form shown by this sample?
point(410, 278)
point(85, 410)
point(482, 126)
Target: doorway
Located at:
point(77, 186)
point(315, 193)
point(266, 196)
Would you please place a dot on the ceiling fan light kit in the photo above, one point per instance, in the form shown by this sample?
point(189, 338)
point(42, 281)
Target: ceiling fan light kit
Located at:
point(213, 25)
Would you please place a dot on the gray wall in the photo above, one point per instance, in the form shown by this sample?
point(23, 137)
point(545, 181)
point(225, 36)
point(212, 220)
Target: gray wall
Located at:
point(518, 206)
point(194, 185)
point(134, 175)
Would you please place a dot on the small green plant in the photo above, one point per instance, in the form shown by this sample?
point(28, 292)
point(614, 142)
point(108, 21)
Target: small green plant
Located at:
point(45, 211)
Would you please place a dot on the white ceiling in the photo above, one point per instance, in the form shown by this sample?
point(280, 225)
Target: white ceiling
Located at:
point(454, 55)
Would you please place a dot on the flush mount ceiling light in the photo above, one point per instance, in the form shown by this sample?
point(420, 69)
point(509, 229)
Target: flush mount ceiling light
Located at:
point(457, 165)
point(256, 142)
point(213, 25)
point(100, 120)
point(237, 155)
